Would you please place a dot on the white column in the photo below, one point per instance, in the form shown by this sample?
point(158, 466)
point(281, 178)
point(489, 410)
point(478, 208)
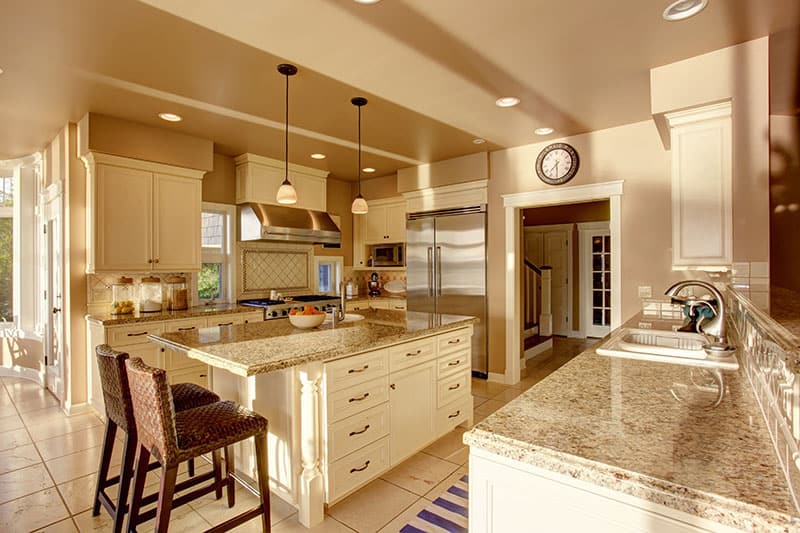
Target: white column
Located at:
point(546, 318)
point(311, 497)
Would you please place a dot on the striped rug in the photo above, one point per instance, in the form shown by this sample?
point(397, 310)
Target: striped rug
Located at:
point(448, 512)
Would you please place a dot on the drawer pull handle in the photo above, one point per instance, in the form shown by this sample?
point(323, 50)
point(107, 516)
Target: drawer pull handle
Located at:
point(366, 465)
point(225, 324)
point(360, 398)
point(353, 433)
point(454, 363)
point(203, 375)
point(137, 334)
point(456, 341)
point(455, 414)
point(454, 387)
point(187, 329)
point(414, 354)
point(357, 370)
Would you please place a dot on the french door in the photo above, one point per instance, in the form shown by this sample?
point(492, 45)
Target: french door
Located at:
point(53, 277)
point(596, 279)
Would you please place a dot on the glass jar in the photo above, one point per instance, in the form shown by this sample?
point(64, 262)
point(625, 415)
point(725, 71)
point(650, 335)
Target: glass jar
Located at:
point(122, 296)
point(177, 293)
point(150, 295)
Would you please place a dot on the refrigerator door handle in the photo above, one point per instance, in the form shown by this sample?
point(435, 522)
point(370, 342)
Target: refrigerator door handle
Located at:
point(430, 271)
point(439, 270)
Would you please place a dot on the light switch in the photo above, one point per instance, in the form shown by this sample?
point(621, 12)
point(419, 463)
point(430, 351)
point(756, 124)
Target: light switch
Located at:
point(646, 292)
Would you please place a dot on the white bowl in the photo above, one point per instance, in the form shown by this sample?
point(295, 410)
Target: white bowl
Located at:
point(306, 321)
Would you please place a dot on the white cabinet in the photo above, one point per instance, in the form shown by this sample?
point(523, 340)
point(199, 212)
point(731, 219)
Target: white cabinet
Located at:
point(412, 401)
point(385, 222)
point(141, 216)
point(258, 179)
point(360, 254)
point(701, 187)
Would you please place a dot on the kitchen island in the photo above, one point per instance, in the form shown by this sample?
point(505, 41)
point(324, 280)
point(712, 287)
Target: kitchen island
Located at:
point(344, 402)
point(613, 444)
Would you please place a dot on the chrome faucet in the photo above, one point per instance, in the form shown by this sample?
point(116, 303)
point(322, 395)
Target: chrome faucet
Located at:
point(715, 326)
point(341, 313)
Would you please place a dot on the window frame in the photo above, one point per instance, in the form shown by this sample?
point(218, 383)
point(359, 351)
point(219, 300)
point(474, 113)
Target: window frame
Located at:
point(338, 272)
point(225, 257)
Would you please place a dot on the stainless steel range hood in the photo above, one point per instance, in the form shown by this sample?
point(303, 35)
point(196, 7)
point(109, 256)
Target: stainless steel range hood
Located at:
point(263, 222)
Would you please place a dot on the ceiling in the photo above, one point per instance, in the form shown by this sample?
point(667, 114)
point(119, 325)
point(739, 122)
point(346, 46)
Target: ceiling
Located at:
point(431, 70)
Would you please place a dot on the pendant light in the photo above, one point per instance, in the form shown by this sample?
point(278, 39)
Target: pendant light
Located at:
point(359, 206)
point(286, 193)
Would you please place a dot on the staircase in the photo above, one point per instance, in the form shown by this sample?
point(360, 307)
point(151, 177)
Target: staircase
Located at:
point(538, 320)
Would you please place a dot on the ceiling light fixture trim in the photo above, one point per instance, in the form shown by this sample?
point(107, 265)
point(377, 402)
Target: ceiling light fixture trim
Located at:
point(543, 131)
point(507, 101)
point(169, 117)
point(683, 9)
point(287, 195)
point(318, 156)
point(366, 2)
point(478, 141)
point(368, 170)
point(359, 206)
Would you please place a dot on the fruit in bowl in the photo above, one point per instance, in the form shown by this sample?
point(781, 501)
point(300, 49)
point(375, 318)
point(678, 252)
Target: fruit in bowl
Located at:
point(309, 317)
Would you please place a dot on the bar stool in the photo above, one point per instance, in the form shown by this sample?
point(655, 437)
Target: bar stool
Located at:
point(173, 437)
point(119, 414)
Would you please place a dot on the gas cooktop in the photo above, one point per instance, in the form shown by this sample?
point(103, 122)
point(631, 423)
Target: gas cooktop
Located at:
point(280, 308)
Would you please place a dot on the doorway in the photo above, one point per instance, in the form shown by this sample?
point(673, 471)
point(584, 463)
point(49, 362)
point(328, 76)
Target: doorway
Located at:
point(52, 275)
point(595, 290)
point(514, 204)
point(551, 245)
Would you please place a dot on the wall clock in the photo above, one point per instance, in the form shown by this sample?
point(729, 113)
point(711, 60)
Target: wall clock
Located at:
point(557, 164)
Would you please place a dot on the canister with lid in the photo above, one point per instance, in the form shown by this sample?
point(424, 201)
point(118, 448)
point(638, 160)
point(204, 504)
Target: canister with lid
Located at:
point(150, 295)
point(177, 293)
point(122, 296)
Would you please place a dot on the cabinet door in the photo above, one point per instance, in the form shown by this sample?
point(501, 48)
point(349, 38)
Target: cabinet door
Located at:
point(396, 223)
point(359, 240)
point(412, 404)
point(376, 225)
point(123, 222)
point(176, 228)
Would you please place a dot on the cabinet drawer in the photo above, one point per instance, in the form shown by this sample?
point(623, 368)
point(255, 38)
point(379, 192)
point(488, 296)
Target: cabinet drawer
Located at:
point(453, 387)
point(397, 305)
point(357, 431)
point(357, 468)
point(135, 334)
point(357, 398)
point(225, 320)
point(175, 360)
point(453, 341)
point(198, 375)
point(251, 317)
point(379, 304)
point(150, 353)
point(452, 415)
point(357, 369)
point(184, 325)
point(358, 305)
point(411, 353)
point(453, 363)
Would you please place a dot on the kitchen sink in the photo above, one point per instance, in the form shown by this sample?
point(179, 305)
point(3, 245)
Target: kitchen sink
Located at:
point(349, 317)
point(665, 346)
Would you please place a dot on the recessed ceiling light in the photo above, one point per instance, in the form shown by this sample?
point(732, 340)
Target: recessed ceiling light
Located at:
point(368, 170)
point(1, 71)
point(543, 131)
point(478, 141)
point(507, 101)
point(683, 9)
point(170, 117)
point(367, 2)
point(318, 156)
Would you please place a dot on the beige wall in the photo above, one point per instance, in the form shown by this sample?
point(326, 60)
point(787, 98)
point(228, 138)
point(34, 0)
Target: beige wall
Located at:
point(739, 73)
point(463, 169)
point(219, 185)
point(377, 188)
point(111, 135)
point(785, 192)
point(339, 199)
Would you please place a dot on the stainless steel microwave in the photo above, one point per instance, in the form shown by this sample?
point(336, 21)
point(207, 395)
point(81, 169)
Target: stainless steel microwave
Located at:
point(386, 255)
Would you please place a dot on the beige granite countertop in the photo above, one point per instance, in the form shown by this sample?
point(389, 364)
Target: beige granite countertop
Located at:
point(613, 422)
point(107, 319)
point(261, 347)
point(387, 295)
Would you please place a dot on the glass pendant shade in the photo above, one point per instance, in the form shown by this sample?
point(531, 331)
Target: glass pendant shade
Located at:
point(286, 194)
point(359, 206)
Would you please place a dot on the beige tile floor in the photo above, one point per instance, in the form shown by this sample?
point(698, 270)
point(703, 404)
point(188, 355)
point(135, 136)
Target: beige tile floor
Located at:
point(48, 463)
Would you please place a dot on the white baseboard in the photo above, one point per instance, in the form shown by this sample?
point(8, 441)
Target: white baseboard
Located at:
point(539, 348)
point(22, 372)
point(576, 334)
point(496, 377)
point(71, 409)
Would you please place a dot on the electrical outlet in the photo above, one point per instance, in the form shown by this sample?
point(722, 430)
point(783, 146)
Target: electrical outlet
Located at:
point(646, 292)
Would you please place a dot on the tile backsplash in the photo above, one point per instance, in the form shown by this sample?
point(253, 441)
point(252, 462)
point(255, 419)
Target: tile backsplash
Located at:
point(98, 287)
point(361, 277)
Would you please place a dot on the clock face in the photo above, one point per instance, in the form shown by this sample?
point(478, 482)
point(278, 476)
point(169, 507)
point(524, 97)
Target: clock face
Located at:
point(557, 164)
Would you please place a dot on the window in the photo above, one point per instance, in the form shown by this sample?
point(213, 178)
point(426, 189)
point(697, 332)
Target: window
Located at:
point(328, 274)
point(6, 248)
point(214, 282)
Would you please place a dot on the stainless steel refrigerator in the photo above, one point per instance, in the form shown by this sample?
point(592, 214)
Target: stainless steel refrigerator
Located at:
point(446, 269)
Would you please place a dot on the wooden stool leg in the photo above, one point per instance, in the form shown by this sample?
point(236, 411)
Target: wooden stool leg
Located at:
point(125, 475)
point(229, 468)
point(165, 492)
point(142, 463)
point(217, 463)
point(191, 467)
point(105, 462)
point(263, 479)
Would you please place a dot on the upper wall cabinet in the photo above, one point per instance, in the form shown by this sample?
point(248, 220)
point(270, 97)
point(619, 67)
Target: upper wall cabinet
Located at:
point(141, 216)
point(385, 221)
point(701, 187)
point(258, 179)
